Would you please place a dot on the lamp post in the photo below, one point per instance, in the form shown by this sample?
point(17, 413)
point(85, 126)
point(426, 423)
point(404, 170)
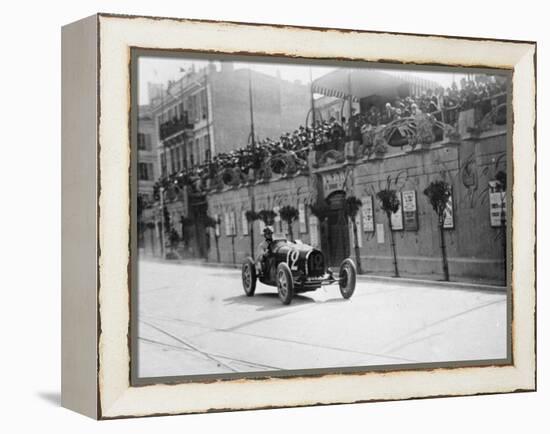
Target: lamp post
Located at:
point(161, 212)
point(251, 198)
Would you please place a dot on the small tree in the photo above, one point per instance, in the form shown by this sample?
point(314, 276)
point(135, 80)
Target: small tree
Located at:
point(211, 222)
point(267, 216)
point(389, 203)
point(352, 206)
point(251, 217)
point(289, 214)
point(438, 193)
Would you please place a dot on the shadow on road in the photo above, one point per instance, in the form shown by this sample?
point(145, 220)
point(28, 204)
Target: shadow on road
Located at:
point(267, 301)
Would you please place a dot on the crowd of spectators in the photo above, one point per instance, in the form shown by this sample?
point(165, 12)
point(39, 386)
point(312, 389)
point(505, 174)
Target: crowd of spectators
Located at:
point(323, 135)
point(442, 103)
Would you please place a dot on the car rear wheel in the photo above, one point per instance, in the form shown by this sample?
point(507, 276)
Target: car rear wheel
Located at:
point(249, 277)
point(285, 283)
point(347, 278)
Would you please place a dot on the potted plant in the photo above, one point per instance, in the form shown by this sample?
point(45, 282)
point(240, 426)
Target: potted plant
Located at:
point(438, 193)
point(289, 214)
point(267, 216)
point(389, 203)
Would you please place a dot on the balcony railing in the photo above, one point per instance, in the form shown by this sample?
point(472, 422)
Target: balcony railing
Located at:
point(174, 126)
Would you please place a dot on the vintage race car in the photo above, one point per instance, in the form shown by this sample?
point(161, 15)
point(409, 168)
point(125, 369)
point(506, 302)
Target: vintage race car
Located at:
point(294, 267)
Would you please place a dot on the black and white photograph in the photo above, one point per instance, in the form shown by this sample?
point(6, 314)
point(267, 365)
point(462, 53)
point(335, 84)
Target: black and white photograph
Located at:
point(301, 217)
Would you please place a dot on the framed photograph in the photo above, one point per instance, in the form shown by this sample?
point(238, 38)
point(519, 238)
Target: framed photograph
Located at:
point(261, 216)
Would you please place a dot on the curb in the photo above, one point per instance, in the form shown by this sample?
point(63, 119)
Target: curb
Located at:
point(362, 277)
point(434, 283)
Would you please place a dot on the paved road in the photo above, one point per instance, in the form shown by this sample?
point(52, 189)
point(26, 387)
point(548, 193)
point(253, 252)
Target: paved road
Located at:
point(197, 320)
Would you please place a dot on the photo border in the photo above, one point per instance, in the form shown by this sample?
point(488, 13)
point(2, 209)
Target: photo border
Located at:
point(138, 52)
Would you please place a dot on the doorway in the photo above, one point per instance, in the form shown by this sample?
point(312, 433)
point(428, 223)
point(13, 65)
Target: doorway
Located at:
point(335, 230)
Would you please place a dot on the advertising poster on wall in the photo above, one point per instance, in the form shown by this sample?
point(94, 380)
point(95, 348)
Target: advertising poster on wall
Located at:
point(497, 202)
point(449, 221)
point(368, 214)
point(410, 216)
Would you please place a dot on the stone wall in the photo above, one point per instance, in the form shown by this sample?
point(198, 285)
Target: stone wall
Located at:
point(475, 248)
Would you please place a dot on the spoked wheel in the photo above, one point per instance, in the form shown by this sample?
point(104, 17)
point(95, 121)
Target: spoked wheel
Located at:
point(249, 277)
point(285, 284)
point(347, 278)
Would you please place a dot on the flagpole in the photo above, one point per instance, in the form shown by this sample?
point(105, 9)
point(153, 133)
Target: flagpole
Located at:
point(253, 143)
point(349, 92)
point(312, 103)
point(208, 122)
point(251, 109)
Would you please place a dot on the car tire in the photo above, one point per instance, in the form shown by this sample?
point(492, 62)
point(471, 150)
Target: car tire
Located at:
point(285, 283)
point(249, 277)
point(347, 278)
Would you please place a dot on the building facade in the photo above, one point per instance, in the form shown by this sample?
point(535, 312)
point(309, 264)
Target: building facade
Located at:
point(147, 174)
point(208, 112)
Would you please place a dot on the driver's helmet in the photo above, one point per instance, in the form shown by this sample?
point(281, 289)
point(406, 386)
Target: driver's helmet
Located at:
point(268, 232)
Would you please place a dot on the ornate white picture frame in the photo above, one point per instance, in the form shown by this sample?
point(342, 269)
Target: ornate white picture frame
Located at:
point(96, 212)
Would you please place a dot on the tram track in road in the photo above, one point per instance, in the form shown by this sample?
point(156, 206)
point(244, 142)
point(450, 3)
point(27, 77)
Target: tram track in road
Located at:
point(289, 341)
point(412, 337)
point(188, 346)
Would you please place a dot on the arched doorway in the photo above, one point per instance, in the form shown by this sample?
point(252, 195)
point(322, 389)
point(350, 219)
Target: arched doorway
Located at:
point(334, 230)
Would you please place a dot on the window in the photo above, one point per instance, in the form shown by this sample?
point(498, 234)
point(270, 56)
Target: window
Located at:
point(197, 151)
point(184, 155)
point(172, 160)
point(163, 163)
point(144, 142)
point(145, 171)
point(178, 161)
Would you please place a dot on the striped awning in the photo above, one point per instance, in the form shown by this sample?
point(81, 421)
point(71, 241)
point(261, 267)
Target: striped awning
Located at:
point(365, 82)
point(333, 93)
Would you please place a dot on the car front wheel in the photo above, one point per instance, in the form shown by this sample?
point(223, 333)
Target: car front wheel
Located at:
point(347, 278)
point(285, 283)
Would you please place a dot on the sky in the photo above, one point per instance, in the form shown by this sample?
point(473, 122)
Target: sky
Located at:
point(162, 69)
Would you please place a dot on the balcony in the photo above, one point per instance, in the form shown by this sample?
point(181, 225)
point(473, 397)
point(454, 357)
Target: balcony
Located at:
point(174, 126)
